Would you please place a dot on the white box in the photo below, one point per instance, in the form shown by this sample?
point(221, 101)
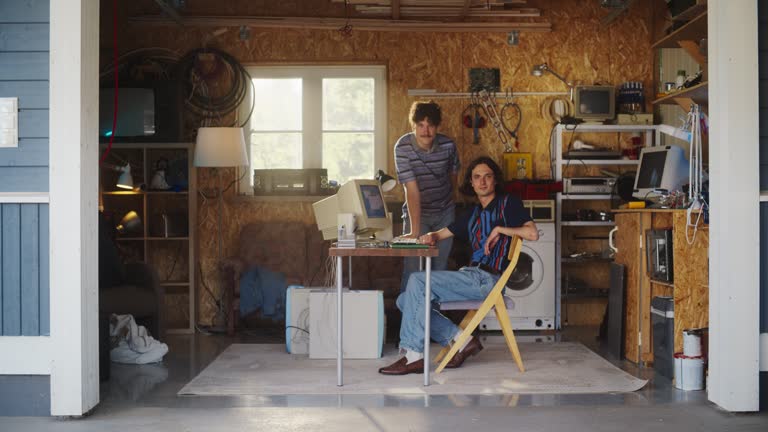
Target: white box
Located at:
point(297, 319)
point(363, 324)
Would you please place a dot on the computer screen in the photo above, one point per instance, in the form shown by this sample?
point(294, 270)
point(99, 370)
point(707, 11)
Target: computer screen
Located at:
point(594, 103)
point(363, 199)
point(661, 169)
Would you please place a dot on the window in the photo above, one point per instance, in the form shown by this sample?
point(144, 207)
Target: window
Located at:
point(318, 117)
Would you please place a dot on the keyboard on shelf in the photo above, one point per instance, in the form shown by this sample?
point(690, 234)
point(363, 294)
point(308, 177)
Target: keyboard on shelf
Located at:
point(407, 242)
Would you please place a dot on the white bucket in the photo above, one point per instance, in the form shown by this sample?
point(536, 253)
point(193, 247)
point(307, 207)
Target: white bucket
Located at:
point(691, 343)
point(689, 372)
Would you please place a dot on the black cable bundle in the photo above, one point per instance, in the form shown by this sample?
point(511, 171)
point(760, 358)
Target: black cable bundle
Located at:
point(221, 69)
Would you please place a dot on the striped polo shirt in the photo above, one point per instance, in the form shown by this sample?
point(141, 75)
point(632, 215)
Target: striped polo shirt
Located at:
point(474, 227)
point(431, 169)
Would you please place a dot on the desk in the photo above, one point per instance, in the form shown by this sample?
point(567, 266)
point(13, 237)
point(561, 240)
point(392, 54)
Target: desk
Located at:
point(339, 253)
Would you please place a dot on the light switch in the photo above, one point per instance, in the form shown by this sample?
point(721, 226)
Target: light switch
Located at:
point(9, 122)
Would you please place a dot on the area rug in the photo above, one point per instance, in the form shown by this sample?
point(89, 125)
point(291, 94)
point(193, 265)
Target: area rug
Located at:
point(551, 368)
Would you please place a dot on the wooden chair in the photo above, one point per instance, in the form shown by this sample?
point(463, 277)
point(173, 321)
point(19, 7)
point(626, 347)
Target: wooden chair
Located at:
point(477, 310)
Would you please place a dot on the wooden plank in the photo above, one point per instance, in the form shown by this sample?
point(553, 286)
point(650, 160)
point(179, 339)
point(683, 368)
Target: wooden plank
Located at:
point(24, 179)
point(357, 24)
point(11, 266)
point(693, 30)
point(691, 272)
point(395, 9)
point(646, 352)
point(24, 37)
point(33, 124)
point(627, 241)
point(692, 49)
point(31, 94)
point(31, 152)
point(30, 268)
point(45, 285)
point(25, 11)
point(24, 66)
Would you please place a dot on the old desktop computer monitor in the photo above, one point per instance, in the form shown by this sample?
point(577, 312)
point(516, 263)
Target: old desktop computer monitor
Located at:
point(662, 169)
point(364, 199)
point(594, 104)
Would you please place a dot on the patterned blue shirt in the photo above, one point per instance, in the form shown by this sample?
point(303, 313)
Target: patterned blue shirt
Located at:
point(475, 226)
point(431, 169)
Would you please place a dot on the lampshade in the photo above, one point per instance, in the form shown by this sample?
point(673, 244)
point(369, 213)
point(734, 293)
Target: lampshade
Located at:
point(386, 181)
point(220, 147)
point(538, 70)
point(125, 181)
point(130, 224)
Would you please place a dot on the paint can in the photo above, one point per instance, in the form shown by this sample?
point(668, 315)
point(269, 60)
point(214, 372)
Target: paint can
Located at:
point(692, 343)
point(689, 372)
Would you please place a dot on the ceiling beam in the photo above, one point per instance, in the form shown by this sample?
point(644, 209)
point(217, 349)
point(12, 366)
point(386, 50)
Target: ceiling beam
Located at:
point(356, 23)
point(465, 10)
point(395, 9)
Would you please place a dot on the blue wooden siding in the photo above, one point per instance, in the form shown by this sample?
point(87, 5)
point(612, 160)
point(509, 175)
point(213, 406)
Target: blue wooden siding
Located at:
point(24, 73)
point(24, 288)
point(24, 241)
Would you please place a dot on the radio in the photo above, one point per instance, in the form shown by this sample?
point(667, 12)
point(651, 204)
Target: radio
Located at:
point(588, 185)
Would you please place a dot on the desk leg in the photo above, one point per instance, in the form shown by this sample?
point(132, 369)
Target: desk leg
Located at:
point(339, 325)
point(427, 313)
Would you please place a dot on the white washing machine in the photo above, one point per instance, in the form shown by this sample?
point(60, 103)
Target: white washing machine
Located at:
point(532, 285)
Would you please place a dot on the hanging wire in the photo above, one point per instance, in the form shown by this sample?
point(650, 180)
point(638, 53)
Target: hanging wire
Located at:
point(346, 29)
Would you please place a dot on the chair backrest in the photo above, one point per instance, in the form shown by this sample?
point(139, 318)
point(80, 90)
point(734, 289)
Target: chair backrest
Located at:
point(514, 254)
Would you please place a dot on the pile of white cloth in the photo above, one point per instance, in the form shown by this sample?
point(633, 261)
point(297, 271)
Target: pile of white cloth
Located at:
point(134, 345)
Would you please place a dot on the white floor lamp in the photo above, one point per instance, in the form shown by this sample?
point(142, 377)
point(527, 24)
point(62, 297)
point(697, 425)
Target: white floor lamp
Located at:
point(220, 147)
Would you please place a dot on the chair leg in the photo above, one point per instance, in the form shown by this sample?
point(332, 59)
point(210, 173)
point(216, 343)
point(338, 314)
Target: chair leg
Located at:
point(473, 323)
point(509, 335)
point(467, 318)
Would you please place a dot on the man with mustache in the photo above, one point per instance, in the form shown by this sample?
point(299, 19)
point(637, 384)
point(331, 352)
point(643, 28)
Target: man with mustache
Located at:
point(427, 166)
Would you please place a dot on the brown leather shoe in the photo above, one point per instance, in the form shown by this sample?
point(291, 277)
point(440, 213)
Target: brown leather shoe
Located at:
point(473, 347)
point(400, 367)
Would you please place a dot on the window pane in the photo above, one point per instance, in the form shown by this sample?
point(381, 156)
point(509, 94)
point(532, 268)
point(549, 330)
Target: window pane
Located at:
point(275, 150)
point(348, 104)
point(348, 155)
point(278, 105)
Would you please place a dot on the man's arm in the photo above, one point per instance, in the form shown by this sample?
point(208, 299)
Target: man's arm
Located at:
point(413, 200)
point(528, 231)
point(431, 238)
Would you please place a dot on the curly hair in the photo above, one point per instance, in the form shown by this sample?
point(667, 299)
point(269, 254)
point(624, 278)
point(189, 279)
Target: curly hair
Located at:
point(466, 185)
point(425, 110)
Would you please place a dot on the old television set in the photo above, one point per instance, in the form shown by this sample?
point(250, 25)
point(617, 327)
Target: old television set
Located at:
point(150, 113)
point(594, 104)
point(662, 169)
point(364, 199)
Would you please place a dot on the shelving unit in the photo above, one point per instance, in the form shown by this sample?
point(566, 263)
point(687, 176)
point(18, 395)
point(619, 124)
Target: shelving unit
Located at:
point(596, 294)
point(687, 37)
point(172, 256)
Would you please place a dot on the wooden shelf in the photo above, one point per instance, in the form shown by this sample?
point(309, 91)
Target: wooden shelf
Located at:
point(588, 223)
point(698, 94)
point(699, 7)
point(694, 30)
point(569, 260)
point(666, 284)
point(600, 161)
point(140, 192)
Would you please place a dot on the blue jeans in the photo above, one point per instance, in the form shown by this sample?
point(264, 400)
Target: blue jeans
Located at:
point(469, 283)
point(428, 224)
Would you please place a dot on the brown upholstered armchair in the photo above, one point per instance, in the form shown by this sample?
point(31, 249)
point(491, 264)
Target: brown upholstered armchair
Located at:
point(294, 249)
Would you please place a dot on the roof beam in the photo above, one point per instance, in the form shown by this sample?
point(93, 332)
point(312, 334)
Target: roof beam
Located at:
point(395, 9)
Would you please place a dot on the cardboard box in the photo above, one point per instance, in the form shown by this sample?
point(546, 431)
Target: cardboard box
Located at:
point(363, 330)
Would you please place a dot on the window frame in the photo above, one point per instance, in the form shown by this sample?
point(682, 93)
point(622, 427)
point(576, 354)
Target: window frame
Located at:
point(312, 110)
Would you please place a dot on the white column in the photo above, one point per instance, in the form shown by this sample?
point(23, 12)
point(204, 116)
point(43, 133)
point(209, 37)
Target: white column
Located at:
point(74, 82)
point(734, 198)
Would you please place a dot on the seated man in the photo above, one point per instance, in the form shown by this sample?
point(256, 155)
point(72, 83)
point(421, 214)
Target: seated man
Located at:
point(487, 228)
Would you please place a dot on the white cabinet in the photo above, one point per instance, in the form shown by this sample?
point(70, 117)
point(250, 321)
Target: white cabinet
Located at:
point(581, 235)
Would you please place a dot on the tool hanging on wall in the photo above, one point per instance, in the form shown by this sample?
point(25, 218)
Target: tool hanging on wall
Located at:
point(490, 109)
point(511, 117)
point(471, 118)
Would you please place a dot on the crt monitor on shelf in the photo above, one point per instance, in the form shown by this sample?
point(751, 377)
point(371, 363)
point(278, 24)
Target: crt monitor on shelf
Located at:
point(364, 199)
point(661, 169)
point(594, 103)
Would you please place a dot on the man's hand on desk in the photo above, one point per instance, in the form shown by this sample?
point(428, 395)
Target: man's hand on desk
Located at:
point(429, 238)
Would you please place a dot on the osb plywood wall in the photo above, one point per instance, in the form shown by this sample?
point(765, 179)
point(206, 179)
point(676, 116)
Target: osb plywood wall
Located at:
point(579, 48)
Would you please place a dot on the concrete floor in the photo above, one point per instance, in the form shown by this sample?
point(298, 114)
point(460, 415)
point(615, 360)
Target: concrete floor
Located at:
point(144, 399)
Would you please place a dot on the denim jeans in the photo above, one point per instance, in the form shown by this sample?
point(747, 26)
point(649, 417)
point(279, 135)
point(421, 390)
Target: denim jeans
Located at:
point(469, 283)
point(429, 224)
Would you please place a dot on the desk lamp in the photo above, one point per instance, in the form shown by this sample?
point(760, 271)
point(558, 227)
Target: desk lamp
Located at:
point(220, 147)
point(539, 70)
point(386, 181)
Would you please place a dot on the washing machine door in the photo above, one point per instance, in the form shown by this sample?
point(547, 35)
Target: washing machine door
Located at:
point(528, 274)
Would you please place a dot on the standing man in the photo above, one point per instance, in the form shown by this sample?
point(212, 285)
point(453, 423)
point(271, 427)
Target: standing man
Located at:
point(487, 228)
point(427, 166)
